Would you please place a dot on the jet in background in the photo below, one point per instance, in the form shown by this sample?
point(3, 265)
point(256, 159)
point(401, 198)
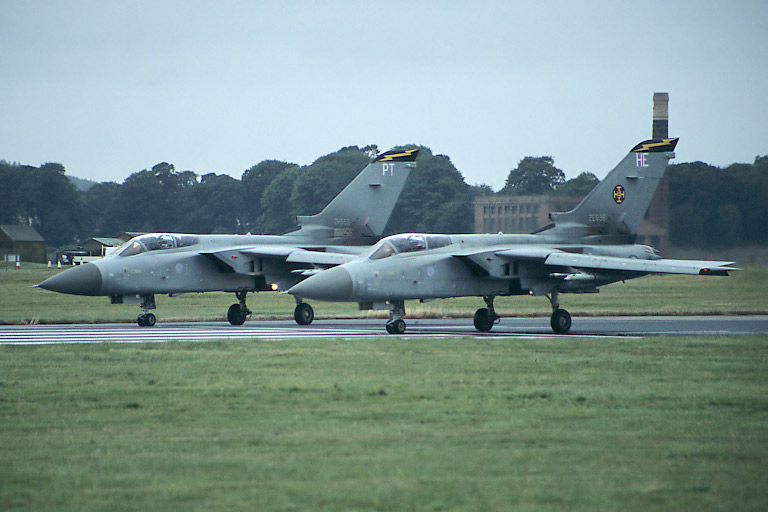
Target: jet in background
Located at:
point(591, 246)
point(173, 264)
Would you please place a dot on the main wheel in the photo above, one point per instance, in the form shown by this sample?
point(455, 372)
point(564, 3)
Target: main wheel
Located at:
point(560, 321)
point(150, 319)
point(484, 319)
point(142, 320)
point(236, 315)
point(303, 314)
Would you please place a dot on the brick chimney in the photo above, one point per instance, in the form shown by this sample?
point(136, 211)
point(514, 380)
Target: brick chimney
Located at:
point(660, 115)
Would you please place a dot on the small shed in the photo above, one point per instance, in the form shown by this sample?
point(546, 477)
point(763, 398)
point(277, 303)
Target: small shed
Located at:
point(127, 235)
point(101, 246)
point(24, 241)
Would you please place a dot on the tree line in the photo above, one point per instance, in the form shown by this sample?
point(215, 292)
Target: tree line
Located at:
point(708, 205)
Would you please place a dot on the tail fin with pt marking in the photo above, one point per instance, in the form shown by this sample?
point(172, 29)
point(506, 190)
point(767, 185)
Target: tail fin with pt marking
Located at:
point(358, 215)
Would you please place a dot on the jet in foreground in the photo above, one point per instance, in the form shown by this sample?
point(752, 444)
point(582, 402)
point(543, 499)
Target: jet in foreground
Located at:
point(581, 250)
point(183, 263)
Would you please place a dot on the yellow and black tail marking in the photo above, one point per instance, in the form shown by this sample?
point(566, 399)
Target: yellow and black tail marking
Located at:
point(656, 146)
point(619, 194)
point(409, 155)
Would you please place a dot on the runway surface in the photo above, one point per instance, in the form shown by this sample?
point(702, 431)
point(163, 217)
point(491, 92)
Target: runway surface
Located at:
point(361, 328)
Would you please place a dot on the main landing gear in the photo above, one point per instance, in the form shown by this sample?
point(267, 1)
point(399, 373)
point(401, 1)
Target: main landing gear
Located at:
point(396, 324)
point(561, 319)
point(486, 317)
point(239, 313)
point(147, 319)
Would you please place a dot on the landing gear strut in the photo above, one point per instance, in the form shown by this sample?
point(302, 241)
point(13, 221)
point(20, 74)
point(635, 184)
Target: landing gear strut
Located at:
point(396, 324)
point(561, 319)
point(147, 319)
point(303, 314)
point(238, 313)
point(486, 317)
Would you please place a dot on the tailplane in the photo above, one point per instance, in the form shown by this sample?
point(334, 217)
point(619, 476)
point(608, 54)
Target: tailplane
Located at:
point(359, 214)
point(613, 210)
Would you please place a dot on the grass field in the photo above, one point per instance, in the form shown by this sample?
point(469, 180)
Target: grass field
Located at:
point(387, 424)
point(741, 293)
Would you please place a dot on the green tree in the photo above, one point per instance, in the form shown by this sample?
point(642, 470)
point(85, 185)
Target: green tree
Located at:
point(321, 181)
point(59, 215)
point(435, 198)
point(15, 193)
point(276, 208)
point(713, 207)
point(99, 202)
point(150, 200)
point(579, 186)
point(255, 181)
point(533, 176)
point(215, 205)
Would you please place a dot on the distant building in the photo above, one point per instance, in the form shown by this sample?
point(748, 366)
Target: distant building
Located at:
point(23, 241)
point(518, 214)
point(526, 214)
point(101, 246)
point(127, 235)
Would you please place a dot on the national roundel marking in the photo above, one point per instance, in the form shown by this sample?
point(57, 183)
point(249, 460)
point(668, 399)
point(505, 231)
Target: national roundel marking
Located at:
point(618, 194)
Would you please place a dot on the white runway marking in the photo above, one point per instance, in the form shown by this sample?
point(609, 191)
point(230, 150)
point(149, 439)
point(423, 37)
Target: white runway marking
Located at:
point(73, 334)
point(512, 328)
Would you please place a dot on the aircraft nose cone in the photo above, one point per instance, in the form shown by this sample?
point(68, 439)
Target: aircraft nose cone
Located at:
point(334, 284)
point(80, 280)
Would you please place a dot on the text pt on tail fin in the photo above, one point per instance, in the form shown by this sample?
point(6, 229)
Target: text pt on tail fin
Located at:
point(359, 214)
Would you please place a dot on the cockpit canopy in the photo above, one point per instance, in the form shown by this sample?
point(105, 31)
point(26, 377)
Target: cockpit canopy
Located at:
point(155, 242)
point(407, 242)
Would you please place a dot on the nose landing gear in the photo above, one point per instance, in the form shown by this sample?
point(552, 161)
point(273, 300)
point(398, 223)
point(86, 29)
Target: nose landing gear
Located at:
point(486, 317)
point(396, 324)
point(238, 313)
point(147, 319)
point(303, 314)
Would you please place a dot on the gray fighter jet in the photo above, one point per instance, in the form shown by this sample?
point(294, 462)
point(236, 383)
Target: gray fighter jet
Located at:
point(581, 250)
point(169, 263)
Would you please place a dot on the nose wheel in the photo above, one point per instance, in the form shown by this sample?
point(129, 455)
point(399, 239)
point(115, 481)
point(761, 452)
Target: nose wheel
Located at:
point(303, 314)
point(147, 319)
point(396, 324)
point(486, 317)
point(238, 313)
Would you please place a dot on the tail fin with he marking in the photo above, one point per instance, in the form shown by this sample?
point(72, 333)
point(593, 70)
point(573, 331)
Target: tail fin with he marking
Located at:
point(358, 215)
point(613, 210)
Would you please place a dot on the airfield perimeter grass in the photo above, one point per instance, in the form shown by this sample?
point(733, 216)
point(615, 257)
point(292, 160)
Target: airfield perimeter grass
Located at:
point(387, 424)
point(741, 293)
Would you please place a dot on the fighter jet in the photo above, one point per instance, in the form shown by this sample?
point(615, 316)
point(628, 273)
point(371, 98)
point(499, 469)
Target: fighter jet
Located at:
point(171, 263)
point(590, 246)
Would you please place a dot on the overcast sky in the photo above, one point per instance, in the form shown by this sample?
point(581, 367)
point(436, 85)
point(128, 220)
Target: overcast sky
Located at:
point(111, 88)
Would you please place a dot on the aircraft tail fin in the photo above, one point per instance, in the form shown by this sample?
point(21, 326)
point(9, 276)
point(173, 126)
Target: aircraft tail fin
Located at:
point(613, 210)
point(359, 214)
